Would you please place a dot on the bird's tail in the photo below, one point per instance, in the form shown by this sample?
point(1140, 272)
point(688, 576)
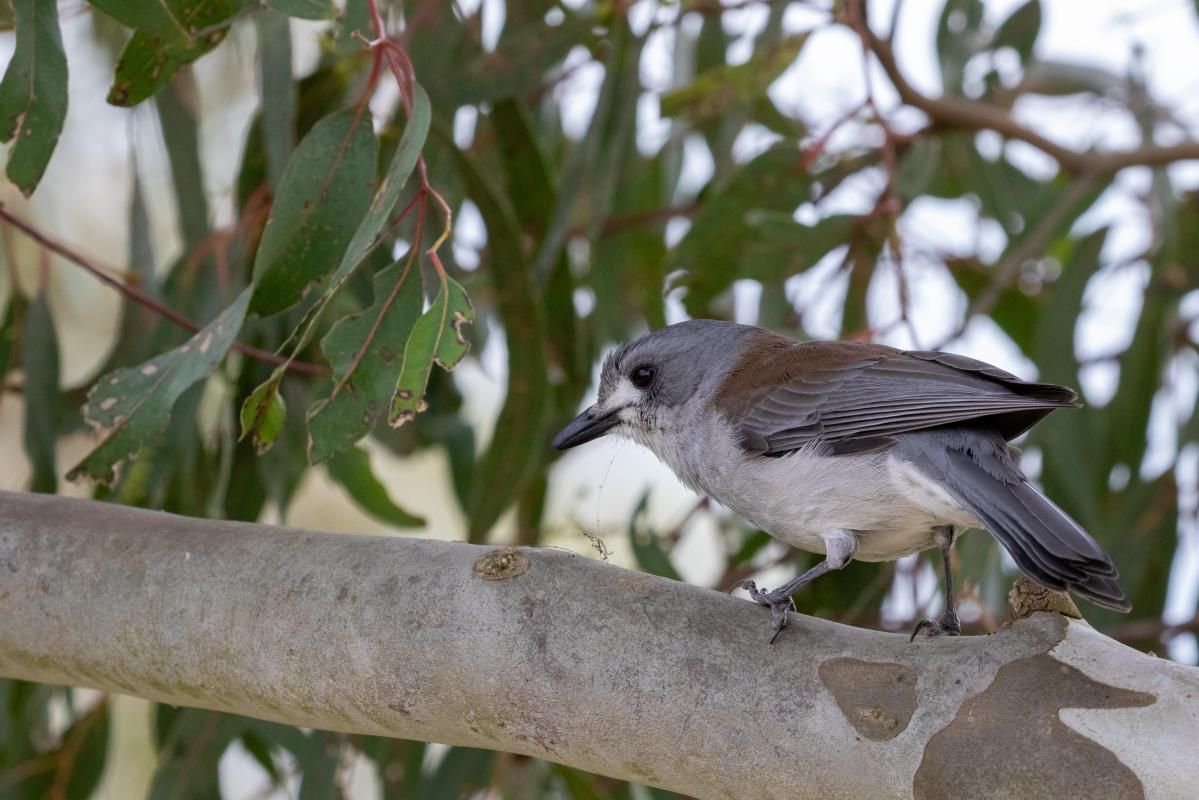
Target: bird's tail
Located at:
point(1052, 549)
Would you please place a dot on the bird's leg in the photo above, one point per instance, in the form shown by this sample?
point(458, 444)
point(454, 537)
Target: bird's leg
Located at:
point(840, 547)
point(947, 624)
point(779, 600)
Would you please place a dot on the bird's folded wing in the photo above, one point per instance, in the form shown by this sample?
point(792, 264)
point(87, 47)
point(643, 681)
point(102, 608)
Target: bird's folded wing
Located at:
point(853, 397)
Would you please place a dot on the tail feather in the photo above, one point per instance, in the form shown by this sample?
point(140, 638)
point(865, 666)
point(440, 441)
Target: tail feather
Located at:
point(975, 468)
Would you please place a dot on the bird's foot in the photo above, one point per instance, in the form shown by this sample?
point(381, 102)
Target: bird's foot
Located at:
point(778, 602)
point(945, 625)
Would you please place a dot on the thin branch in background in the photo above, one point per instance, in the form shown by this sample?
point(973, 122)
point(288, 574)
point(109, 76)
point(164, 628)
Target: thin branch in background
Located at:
point(136, 295)
point(960, 112)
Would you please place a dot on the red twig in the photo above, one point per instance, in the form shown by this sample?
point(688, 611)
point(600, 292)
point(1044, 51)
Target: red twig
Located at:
point(141, 298)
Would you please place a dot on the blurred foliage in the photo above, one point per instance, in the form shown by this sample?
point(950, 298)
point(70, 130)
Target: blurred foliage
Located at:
point(335, 297)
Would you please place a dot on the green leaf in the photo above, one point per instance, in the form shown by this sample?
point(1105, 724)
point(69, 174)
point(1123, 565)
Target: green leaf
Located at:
point(647, 551)
point(323, 194)
point(263, 415)
point(436, 337)
point(33, 93)
point(352, 470)
point(305, 9)
point(712, 250)
point(278, 119)
point(518, 444)
point(192, 743)
point(130, 405)
point(918, 167)
point(167, 35)
point(1056, 322)
point(87, 739)
point(320, 765)
point(180, 131)
point(1019, 31)
point(39, 356)
point(782, 247)
point(713, 91)
point(957, 41)
point(366, 235)
point(365, 352)
point(463, 772)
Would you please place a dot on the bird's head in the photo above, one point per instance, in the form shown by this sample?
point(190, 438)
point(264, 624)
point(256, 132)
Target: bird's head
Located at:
point(644, 384)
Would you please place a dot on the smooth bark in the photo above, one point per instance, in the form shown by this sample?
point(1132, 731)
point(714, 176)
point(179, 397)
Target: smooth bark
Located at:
point(547, 653)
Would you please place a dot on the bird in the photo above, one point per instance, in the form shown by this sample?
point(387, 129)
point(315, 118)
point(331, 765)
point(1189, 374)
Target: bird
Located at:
point(853, 450)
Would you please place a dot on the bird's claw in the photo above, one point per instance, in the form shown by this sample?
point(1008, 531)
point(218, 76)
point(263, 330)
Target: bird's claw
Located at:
point(779, 604)
point(946, 625)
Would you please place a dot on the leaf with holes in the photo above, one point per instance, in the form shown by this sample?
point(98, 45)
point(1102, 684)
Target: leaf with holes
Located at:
point(33, 94)
point(128, 406)
point(437, 337)
point(364, 350)
point(167, 35)
point(366, 235)
point(324, 192)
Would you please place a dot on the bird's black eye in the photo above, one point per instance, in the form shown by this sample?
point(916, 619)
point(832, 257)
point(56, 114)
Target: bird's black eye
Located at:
point(642, 376)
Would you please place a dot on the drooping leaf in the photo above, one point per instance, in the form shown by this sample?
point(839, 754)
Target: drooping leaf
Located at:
point(781, 247)
point(711, 93)
point(277, 120)
point(130, 405)
point(352, 470)
point(711, 251)
point(192, 741)
point(167, 35)
point(305, 9)
point(463, 772)
point(1019, 31)
point(437, 337)
point(957, 40)
point(39, 356)
point(33, 93)
point(180, 130)
point(323, 194)
point(365, 236)
point(366, 351)
point(320, 765)
point(87, 743)
point(647, 550)
point(518, 444)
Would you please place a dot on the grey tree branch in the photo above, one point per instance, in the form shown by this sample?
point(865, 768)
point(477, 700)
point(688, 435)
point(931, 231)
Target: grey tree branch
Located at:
point(543, 652)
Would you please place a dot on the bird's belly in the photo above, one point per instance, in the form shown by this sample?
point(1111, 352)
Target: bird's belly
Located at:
point(801, 497)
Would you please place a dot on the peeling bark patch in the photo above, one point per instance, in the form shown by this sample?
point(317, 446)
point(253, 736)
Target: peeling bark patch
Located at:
point(1027, 596)
point(876, 697)
point(1042, 756)
point(502, 563)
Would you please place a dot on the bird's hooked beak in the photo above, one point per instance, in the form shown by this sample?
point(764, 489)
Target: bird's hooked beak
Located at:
point(591, 424)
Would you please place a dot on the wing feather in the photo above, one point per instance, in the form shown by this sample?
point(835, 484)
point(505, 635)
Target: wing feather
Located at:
point(853, 396)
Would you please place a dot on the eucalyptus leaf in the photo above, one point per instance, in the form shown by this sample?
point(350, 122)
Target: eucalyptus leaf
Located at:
point(33, 93)
point(352, 470)
point(39, 345)
point(130, 405)
point(323, 194)
point(366, 351)
point(436, 338)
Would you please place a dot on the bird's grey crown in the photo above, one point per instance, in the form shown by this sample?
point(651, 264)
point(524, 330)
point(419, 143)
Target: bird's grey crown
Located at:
point(683, 355)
